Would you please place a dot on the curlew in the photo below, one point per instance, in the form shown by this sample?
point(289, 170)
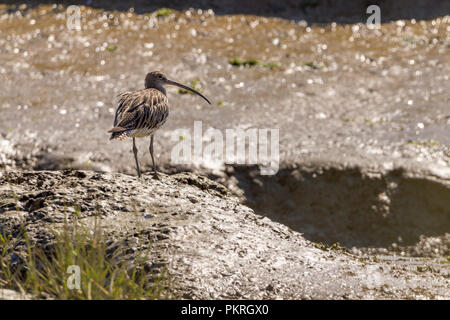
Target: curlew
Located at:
point(140, 113)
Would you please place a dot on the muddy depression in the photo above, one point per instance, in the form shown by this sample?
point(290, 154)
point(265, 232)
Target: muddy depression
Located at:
point(363, 114)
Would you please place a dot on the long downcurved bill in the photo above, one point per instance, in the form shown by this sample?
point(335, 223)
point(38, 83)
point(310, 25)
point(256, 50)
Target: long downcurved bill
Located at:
point(186, 88)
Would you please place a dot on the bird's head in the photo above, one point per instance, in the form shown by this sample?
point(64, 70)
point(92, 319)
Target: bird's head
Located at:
point(154, 78)
point(157, 79)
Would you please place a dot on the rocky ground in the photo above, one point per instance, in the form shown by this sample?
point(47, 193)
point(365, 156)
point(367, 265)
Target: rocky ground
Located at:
point(212, 246)
point(363, 119)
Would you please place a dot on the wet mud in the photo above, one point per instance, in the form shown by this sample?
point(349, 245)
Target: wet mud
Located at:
point(363, 114)
point(212, 246)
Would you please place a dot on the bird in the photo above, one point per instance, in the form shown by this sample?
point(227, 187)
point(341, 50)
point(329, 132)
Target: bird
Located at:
point(140, 113)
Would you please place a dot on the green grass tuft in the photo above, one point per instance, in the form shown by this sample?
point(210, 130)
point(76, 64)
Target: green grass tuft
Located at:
point(112, 48)
point(446, 261)
point(163, 12)
point(253, 62)
point(428, 143)
point(246, 63)
point(272, 65)
point(44, 273)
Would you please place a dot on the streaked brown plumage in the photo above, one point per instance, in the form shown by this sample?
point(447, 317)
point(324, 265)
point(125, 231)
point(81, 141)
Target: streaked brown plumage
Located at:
point(140, 113)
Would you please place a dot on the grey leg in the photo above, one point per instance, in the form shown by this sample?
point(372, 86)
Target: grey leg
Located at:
point(136, 158)
point(155, 173)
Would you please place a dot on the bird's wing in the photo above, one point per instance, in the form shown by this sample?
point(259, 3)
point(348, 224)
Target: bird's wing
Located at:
point(140, 109)
point(124, 101)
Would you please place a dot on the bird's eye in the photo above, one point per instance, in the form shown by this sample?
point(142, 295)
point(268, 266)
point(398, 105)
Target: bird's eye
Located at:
point(160, 76)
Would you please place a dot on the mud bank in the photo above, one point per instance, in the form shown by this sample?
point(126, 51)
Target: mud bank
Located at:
point(362, 114)
point(401, 211)
point(364, 146)
point(211, 245)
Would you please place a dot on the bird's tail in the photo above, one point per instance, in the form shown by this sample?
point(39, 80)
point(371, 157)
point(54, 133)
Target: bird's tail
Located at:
point(118, 133)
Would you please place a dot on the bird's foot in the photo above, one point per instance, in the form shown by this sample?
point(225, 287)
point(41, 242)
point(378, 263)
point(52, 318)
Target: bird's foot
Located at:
point(156, 175)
